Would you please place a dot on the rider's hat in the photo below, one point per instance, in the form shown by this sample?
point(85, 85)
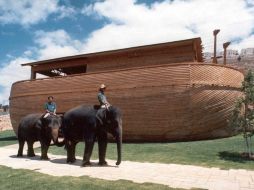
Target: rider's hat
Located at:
point(102, 86)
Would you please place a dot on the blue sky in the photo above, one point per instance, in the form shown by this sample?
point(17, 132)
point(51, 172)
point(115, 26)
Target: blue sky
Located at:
point(19, 38)
point(33, 30)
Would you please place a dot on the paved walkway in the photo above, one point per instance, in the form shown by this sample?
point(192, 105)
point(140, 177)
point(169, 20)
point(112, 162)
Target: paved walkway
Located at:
point(173, 175)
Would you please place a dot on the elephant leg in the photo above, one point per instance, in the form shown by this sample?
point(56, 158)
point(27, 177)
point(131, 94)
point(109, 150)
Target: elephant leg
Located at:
point(21, 146)
point(71, 147)
point(68, 148)
point(87, 153)
point(102, 145)
point(30, 149)
point(44, 151)
point(74, 152)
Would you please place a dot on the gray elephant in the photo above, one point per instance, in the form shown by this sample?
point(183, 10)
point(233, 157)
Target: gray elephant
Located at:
point(88, 123)
point(34, 127)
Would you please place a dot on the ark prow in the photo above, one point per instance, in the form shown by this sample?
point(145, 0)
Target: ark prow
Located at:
point(160, 100)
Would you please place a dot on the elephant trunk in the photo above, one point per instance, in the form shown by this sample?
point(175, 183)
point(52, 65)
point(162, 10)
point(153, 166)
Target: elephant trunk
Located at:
point(119, 147)
point(60, 144)
point(55, 135)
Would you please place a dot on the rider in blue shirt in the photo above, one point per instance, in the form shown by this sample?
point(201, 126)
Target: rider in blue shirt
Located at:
point(50, 106)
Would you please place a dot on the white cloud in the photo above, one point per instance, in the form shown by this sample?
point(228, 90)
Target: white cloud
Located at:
point(50, 45)
point(87, 10)
point(250, 2)
point(136, 24)
point(28, 53)
point(245, 43)
point(55, 44)
point(66, 12)
point(27, 12)
point(11, 73)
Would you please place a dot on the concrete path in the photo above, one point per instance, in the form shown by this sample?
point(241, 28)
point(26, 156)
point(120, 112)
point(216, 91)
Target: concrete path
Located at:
point(173, 175)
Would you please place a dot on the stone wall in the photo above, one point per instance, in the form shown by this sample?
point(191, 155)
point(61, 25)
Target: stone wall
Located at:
point(5, 123)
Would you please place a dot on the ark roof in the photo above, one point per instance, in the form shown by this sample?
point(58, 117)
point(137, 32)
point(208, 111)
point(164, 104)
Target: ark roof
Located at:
point(147, 55)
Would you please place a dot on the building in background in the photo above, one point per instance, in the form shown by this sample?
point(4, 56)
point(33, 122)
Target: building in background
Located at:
point(247, 52)
point(4, 109)
point(231, 53)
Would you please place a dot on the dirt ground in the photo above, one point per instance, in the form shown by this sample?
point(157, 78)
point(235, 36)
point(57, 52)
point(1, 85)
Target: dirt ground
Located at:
point(5, 122)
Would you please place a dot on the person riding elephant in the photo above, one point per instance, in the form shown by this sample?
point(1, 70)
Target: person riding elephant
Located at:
point(34, 127)
point(102, 97)
point(83, 123)
point(49, 107)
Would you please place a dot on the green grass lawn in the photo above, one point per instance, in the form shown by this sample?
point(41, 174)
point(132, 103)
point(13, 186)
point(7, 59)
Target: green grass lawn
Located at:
point(222, 153)
point(25, 179)
point(7, 138)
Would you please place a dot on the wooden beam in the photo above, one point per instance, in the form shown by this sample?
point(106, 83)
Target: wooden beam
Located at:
point(61, 64)
point(225, 45)
point(33, 74)
point(215, 32)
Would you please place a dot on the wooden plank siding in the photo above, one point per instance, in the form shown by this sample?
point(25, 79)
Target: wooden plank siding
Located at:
point(162, 102)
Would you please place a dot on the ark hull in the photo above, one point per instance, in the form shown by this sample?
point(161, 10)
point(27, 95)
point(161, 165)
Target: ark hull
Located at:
point(174, 102)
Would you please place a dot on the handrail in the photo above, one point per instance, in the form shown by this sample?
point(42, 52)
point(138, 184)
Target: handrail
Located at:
point(131, 68)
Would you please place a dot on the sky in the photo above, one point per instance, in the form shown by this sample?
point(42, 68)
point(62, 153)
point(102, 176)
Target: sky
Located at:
point(33, 30)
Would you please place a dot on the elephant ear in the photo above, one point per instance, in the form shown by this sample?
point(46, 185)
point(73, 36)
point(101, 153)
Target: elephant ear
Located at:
point(101, 116)
point(39, 124)
point(42, 121)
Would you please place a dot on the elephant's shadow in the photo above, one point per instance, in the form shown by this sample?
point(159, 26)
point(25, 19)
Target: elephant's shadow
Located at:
point(36, 157)
point(78, 162)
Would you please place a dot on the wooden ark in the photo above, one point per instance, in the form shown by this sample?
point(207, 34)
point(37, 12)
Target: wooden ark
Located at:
point(165, 92)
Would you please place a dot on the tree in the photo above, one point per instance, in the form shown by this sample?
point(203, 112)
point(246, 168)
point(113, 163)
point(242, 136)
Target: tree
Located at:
point(243, 114)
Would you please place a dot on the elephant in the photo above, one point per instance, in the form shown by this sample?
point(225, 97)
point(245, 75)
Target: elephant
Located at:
point(34, 127)
point(88, 124)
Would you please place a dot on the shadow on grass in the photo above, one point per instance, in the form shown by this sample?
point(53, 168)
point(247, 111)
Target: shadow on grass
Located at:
point(11, 138)
point(233, 157)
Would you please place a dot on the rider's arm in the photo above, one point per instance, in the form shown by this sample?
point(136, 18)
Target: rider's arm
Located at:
point(46, 108)
point(55, 109)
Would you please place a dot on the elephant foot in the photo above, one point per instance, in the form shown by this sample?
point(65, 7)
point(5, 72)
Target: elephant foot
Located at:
point(31, 155)
point(44, 158)
point(103, 163)
point(86, 163)
point(118, 163)
point(71, 160)
point(19, 155)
